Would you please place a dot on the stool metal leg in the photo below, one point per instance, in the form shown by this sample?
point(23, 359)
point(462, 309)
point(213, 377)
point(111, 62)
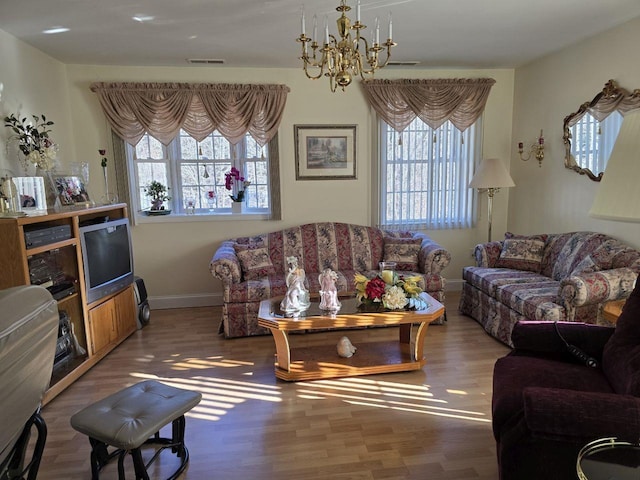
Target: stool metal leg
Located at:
point(138, 465)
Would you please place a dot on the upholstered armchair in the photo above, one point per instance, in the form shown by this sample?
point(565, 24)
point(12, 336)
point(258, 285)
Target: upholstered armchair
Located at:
point(547, 403)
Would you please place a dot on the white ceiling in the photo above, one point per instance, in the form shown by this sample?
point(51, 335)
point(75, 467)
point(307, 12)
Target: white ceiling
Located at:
point(438, 34)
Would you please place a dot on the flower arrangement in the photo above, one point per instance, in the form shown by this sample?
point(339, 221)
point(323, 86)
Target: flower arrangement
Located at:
point(235, 182)
point(33, 140)
point(389, 290)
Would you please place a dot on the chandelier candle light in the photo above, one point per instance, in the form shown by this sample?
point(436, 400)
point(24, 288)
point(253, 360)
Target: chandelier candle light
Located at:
point(341, 57)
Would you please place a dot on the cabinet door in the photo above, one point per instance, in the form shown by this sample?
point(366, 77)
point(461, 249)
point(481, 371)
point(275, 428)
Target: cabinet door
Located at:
point(102, 323)
point(126, 311)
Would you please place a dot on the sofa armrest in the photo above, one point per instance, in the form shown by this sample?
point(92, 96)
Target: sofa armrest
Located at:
point(432, 258)
point(487, 254)
point(541, 337)
point(569, 413)
point(597, 287)
point(225, 264)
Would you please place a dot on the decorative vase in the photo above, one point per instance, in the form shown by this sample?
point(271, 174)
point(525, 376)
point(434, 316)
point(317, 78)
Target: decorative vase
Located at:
point(156, 204)
point(50, 189)
point(236, 207)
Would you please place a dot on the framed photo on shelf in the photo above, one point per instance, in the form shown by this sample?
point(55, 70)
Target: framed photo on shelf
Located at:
point(71, 190)
point(325, 152)
point(32, 194)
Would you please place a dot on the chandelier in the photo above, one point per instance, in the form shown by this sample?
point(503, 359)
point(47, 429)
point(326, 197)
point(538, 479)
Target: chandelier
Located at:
point(348, 55)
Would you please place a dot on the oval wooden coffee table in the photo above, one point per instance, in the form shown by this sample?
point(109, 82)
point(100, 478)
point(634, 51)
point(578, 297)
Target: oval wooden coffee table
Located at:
point(317, 362)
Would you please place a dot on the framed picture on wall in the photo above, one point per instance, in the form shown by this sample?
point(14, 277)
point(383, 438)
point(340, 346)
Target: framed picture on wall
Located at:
point(325, 152)
point(71, 190)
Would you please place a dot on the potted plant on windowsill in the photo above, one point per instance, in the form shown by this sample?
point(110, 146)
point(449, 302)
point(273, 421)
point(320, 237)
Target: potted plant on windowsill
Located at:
point(159, 194)
point(237, 184)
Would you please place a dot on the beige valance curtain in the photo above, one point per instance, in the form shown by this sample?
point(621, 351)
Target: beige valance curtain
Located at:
point(434, 101)
point(611, 99)
point(162, 109)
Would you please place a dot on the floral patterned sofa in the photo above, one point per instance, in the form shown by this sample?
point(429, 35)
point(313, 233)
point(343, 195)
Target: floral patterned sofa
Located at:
point(253, 269)
point(555, 277)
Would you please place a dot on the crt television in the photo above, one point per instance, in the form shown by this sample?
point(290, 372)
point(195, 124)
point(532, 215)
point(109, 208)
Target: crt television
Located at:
point(107, 257)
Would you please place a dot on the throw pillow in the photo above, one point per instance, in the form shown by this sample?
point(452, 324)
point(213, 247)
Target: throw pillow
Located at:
point(255, 261)
point(522, 253)
point(403, 251)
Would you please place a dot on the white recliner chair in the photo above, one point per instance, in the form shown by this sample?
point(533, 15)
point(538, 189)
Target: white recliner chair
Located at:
point(28, 332)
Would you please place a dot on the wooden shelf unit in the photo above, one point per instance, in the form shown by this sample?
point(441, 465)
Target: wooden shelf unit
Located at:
point(98, 327)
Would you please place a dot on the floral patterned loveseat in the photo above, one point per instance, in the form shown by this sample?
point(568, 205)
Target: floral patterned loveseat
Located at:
point(555, 277)
point(253, 269)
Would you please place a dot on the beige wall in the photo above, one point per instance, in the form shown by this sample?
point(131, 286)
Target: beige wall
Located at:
point(172, 255)
point(553, 198)
point(32, 84)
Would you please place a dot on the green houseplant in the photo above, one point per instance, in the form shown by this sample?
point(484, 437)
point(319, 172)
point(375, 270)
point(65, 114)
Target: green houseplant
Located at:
point(158, 193)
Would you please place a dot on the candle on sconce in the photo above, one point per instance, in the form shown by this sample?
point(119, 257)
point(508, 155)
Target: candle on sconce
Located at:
point(358, 11)
point(541, 139)
point(390, 27)
point(377, 31)
point(302, 22)
point(520, 146)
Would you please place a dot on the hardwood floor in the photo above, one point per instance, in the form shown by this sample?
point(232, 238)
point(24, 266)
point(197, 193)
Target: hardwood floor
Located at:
point(431, 424)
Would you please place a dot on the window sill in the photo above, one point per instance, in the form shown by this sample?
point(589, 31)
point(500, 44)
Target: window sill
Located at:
point(199, 217)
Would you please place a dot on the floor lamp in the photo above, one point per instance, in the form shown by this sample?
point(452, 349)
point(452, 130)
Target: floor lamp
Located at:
point(491, 176)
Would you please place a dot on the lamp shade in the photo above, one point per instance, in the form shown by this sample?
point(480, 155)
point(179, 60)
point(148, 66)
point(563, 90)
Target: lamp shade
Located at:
point(618, 195)
point(491, 174)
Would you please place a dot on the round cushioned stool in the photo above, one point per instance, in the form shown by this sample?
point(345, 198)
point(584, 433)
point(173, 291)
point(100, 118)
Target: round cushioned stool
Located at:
point(133, 417)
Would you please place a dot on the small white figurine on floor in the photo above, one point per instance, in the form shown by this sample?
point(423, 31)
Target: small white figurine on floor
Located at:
point(346, 348)
point(328, 291)
point(297, 297)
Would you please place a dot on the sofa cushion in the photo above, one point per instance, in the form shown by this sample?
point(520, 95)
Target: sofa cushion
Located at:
point(513, 373)
point(488, 280)
point(522, 253)
point(535, 301)
point(254, 260)
point(403, 251)
point(621, 356)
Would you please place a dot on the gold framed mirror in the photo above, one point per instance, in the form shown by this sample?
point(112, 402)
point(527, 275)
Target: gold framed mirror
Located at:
point(589, 133)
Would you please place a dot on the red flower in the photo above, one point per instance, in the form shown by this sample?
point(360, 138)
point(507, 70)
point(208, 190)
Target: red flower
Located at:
point(375, 288)
point(211, 194)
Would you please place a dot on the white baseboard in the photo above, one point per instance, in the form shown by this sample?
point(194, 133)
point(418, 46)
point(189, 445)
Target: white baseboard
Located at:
point(454, 285)
point(215, 299)
point(185, 301)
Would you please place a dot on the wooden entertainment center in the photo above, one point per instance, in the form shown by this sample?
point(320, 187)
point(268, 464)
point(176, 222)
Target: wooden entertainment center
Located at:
point(98, 327)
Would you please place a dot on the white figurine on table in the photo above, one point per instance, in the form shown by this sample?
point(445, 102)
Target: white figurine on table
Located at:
point(328, 291)
point(297, 297)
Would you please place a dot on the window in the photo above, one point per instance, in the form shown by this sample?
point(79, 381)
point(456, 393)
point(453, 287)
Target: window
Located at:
point(592, 141)
point(192, 169)
point(424, 175)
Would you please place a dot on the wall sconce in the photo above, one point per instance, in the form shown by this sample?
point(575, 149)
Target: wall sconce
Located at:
point(537, 149)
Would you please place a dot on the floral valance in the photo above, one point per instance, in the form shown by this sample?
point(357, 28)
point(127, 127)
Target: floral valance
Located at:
point(434, 101)
point(162, 109)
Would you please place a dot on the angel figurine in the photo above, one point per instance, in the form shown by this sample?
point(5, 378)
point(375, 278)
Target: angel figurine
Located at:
point(297, 297)
point(328, 292)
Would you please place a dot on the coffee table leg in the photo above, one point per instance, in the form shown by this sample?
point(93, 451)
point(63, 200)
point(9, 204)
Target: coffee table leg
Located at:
point(283, 352)
point(419, 346)
point(416, 349)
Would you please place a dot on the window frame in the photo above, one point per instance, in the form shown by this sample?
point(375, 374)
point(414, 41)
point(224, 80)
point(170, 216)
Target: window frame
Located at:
point(173, 162)
point(466, 198)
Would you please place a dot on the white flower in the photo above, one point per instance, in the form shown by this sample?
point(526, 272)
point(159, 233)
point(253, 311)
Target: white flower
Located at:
point(50, 152)
point(394, 298)
point(34, 157)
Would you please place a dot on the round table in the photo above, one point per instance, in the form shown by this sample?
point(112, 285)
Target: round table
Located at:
point(609, 459)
